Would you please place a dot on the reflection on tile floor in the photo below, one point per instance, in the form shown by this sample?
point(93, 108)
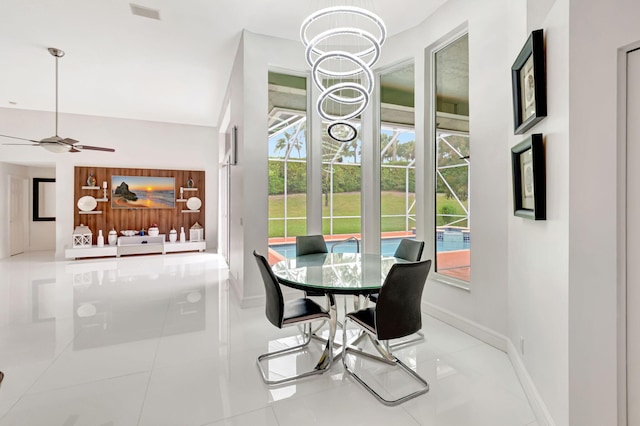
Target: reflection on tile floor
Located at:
point(159, 340)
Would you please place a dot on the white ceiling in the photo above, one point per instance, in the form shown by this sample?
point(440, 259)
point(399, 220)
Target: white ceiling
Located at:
point(120, 65)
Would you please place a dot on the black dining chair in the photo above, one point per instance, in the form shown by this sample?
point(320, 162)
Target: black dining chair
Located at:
point(410, 250)
point(301, 311)
point(310, 244)
point(397, 314)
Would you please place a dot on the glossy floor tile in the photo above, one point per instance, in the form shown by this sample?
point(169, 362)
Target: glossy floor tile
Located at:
point(160, 340)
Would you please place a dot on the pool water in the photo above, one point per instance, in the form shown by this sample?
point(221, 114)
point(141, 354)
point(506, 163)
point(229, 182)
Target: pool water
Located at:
point(449, 243)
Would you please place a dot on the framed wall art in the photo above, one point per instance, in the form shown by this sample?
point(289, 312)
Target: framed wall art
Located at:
point(529, 85)
point(529, 182)
point(142, 192)
point(44, 199)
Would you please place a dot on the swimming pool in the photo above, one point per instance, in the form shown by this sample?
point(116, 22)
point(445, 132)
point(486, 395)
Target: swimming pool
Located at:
point(450, 242)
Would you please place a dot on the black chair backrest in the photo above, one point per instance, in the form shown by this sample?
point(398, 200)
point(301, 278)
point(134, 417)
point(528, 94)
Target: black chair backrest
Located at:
point(409, 250)
point(398, 306)
point(274, 308)
point(310, 244)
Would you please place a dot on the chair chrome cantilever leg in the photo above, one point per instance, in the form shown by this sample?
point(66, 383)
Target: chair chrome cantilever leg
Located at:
point(323, 365)
point(401, 343)
point(388, 358)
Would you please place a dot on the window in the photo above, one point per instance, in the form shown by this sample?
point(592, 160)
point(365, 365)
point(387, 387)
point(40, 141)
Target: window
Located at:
point(287, 156)
point(397, 157)
point(452, 161)
point(341, 185)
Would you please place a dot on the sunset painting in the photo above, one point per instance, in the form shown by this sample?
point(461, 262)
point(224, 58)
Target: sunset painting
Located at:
point(143, 192)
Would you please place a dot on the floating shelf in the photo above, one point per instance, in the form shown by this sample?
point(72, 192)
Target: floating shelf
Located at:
point(181, 200)
point(190, 189)
point(91, 187)
point(102, 200)
point(190, 211)
point(91, 212)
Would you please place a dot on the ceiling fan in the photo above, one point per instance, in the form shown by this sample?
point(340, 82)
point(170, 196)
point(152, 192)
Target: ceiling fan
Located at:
point(55, 143)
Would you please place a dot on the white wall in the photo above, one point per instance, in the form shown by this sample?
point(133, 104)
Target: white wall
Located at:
point(490, 111)
point(235, 99)
point(138, 144)
point(259, 54)
point(597, 31)
point(538, 250)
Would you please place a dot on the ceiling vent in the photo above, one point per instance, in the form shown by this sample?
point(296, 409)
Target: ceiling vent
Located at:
point(145, 12)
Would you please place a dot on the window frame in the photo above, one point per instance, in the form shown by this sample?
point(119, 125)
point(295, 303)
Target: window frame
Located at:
point(429, 156)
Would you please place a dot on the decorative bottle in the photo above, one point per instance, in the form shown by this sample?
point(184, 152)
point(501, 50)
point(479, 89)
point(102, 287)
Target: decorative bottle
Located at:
point(100, 238)
point(183, 236)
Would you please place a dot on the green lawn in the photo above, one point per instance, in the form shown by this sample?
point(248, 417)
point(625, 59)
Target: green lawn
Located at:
point(346, 204)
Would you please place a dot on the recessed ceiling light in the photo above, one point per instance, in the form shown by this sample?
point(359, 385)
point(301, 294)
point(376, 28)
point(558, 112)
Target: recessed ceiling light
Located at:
point(13, 103)
point(145, 12)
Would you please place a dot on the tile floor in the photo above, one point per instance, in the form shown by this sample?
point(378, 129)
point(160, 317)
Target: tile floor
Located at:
point(160, 340)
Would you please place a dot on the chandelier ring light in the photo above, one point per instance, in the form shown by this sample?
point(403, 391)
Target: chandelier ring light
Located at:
point(342, 10)
point(363, 69)
point(339, 87)
point(336, 32)
point(342, 131)
point(347, 91)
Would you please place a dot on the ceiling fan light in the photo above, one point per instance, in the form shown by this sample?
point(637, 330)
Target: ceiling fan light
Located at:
point(56, 148)
point(55, 143)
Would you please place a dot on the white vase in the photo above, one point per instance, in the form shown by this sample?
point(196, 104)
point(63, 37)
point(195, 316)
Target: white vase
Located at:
point(100, 238)
point(173, 235)
point(113, 237)
point(183, 236)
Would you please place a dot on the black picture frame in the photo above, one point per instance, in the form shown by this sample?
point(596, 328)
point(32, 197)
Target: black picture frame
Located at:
point(529, 84)
point(42, 188)
point(529, 181)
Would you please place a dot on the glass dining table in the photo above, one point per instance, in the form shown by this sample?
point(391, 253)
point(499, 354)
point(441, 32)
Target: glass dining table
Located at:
point(332, 274)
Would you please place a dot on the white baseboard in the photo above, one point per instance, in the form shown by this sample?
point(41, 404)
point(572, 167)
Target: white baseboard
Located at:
point(537, 404)
point(244, 301)
point(472, 328)
point(502, 343)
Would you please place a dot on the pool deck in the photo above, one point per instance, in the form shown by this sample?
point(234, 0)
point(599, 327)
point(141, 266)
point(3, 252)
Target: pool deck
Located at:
point(455, 264)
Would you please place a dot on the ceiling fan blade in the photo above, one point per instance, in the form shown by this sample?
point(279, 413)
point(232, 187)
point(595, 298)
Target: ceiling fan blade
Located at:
point(74, 150)
point(21, 144)
point(69, 141)
point(95, 148)
point(15, 137)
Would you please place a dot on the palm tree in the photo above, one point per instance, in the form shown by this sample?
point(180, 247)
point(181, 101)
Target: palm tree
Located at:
point(292, 139)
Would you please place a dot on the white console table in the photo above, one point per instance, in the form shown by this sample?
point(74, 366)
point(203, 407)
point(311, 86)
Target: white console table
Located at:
point(135, 245)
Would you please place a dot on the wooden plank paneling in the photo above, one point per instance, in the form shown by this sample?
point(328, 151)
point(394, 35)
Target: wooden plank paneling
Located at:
point(137, 219)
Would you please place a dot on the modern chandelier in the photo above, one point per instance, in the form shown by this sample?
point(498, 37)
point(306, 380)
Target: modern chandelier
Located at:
point(342, 44)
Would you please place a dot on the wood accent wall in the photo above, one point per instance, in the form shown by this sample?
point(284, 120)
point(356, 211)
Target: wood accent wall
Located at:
point(136, 219)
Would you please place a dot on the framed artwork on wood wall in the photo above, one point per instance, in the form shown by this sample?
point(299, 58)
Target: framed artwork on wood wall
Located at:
point(143, 192)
